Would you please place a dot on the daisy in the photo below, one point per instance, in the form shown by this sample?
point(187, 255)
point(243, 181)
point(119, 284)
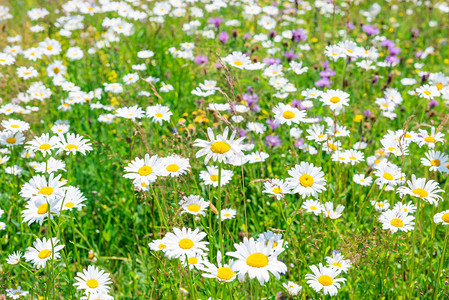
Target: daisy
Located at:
point(40, 187)
point(258, 260)
point(220, 147)
point(185, 242)
point(418, 187)
point(258, 128)
point(159, 113)
point(434, 160)
point(292, 288)
point(174, 166)
point(193, 262)
point(4, 159)
point(50, 166)
point(210, 177)
point(158, 245)
point(73, 143)
point(335, 99)
point(387, 173)
point(26, 72)
point(396, 220)
point(316, 133)
point(15, 125)
point(285, 113)
point(354, 156)
point(60, 128)
point(405, 207)
point(362, 180)
point(274, 239)
point(306, 179)
point(324, 278)
point(221, 272)
point(227, 213)
point(16, 293)
point(194, 205)
point(338, 262)
point(42, 251)
point(133, 112)
point(238, 60)
point(442, 217)
point(276, 187)
point(10, 138)
point(92, 280)
point(130, 78)
point(146, 169)
point(298, 68)
point(43, 144)
point(329, 212)
point(73, 199)
point(257, 157)
point(380, 205)
point(36, 210)
point(424, 138)
point(313, 206)
point(14, 258)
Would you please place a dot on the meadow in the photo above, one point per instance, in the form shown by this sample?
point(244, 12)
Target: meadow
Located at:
point(224, 149)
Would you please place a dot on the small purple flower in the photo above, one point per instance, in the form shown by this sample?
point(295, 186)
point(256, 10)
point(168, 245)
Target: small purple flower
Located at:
point(323, 82)
point(419, 53)
point(335, 252)
point(201, 59)
point(272, 61)
point(223, 37)
point(298, 35)
point(296, 103)
point(290, 55)
point(246, 36)
point(272, 34)
point(433, 103)
point(387, 43)
point(273, 125)
point(256, 108)
point(370, 29)
point(272, 140)
point(392, 59)
point(367, 113)
point(299, 143)
point(350, 25)
point(242, 132)
point(327, 73)
point(394, 50)
point(215, 21)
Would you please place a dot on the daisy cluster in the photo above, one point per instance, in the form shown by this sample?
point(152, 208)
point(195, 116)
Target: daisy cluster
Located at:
point(240, 140)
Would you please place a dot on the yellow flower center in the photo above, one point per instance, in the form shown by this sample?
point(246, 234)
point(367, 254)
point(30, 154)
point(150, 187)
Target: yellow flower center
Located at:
point(49, 48)
point(172, 168)
point(435, 162)
point(325, 280)
point(337, 264)
point(306, 180)
point(387, 176)
point(427, 93)
point(220, 147)
point(145, 170)
point(349, 50)
point(396, 222)
point(420, 192)
point(45, 146)
point(92, 283)
point(70, 147)
point(225, 273)
point(334, 99)
point(193, 260)
point(274, 244)
point(313, 207)
point(227, 215)
point(15, 126)
point(288, 114)
point(238, 63)
point(445, 217)
point(257, 260)
point(439, 86)
point(380, 205)
point(11, 140)
point(162, 246)
point(353, 158)
point(42, 209)
point(193, 207)
point(46, 190)
point(185, 244)
point(214, 177)
point(159, 115)
point(69, 204)
point(277, 190)
point(44, 254)
point(430, 139)
point(56, 70)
